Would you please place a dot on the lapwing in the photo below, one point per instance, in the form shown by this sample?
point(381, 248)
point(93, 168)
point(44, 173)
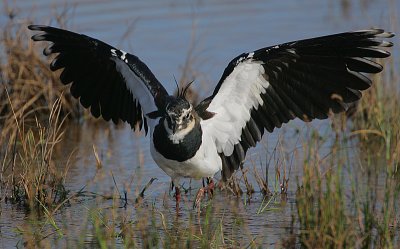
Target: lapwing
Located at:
point(258, 91)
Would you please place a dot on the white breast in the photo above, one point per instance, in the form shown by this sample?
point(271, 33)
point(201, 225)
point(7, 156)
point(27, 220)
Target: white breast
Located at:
point(205, 163)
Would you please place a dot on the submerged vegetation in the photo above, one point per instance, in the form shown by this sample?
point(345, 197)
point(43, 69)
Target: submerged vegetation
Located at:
point(344, 197)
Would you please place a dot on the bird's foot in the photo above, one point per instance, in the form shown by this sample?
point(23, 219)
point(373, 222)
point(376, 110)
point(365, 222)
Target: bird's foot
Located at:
point(209, 189)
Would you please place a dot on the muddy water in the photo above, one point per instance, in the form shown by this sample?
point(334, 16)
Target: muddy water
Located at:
point(161, 33)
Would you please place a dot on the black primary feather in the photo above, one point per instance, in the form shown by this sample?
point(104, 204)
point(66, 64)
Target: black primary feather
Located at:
point(307, 79)
point(99, 75)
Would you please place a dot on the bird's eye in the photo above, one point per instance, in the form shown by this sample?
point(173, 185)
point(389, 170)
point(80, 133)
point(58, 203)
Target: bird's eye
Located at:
point(187, 116)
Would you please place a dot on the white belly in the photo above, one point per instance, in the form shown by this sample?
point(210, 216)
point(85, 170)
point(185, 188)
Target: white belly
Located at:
point(205, 163)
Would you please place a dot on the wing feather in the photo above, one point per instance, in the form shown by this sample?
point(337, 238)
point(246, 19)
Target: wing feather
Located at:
point(307, 79)
point(114, 84)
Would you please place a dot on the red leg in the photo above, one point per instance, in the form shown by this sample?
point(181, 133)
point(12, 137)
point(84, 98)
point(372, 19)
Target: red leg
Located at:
point(210, 186)
point(177, 197)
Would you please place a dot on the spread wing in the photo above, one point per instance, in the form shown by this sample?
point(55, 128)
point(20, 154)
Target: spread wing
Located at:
point(113, 83)
point(307, 79)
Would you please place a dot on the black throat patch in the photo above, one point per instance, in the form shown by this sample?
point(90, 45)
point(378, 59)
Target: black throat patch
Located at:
point(182, 151)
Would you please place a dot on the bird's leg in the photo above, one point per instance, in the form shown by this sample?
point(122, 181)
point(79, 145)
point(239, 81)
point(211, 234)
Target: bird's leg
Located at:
point(177, 194)
point(205, 189)
point(172, 186)
point(177, 197)
point(210, 186)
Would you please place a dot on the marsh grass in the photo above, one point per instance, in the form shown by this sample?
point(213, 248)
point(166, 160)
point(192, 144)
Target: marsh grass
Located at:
point(29, 173)
point(366, 215)
point(321, 206)
point(33, 109)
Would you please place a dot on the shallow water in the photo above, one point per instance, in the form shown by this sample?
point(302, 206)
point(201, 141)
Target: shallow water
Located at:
point(161, 33)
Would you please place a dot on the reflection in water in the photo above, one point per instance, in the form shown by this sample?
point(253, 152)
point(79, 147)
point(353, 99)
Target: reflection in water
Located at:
point(161, 33)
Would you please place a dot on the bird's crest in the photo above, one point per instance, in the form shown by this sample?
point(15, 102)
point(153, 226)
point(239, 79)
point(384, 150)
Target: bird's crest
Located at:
point(181, 92)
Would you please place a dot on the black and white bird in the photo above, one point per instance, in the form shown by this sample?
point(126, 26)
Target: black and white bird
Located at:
point(258, 91)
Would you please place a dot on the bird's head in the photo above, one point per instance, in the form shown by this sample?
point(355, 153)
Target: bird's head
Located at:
point(180, 116)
